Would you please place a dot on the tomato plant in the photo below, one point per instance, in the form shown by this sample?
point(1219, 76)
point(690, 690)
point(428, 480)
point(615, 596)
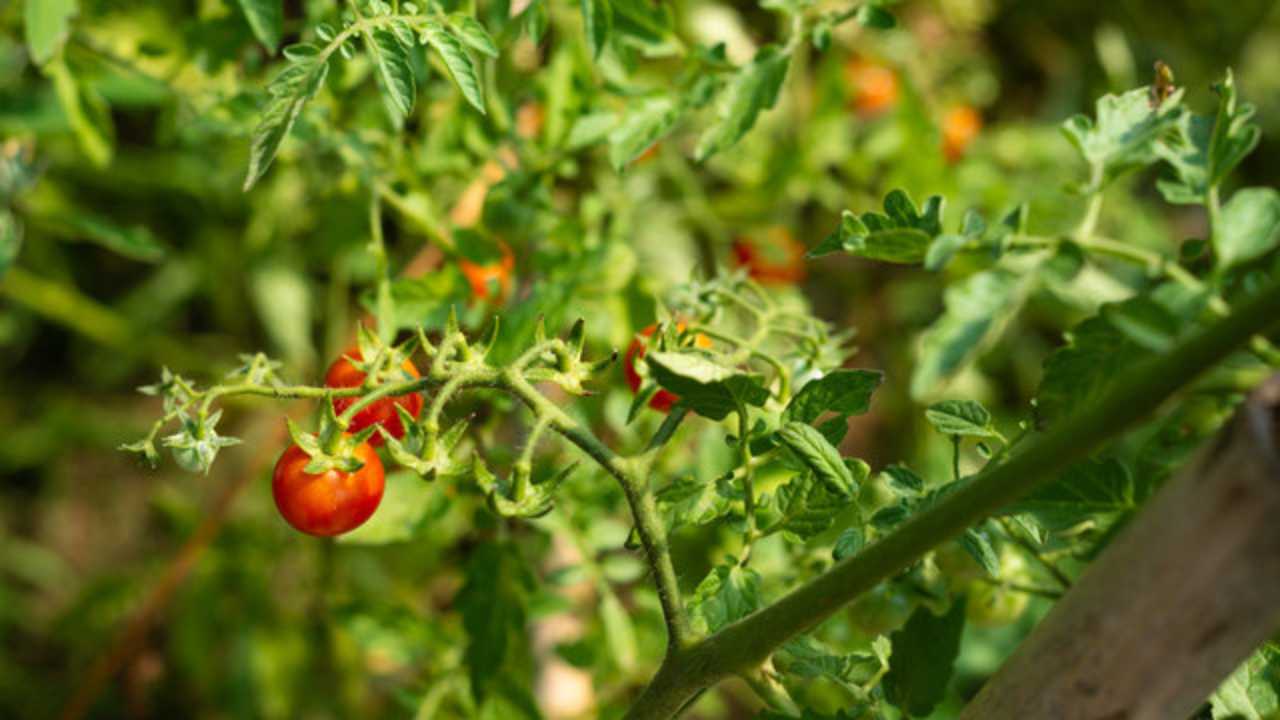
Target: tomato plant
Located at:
point(922, 344)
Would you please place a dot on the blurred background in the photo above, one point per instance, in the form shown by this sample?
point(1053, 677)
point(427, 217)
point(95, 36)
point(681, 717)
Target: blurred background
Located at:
point(141, 593)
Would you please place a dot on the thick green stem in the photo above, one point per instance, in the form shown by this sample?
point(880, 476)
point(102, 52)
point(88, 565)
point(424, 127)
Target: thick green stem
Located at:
point(747, 643)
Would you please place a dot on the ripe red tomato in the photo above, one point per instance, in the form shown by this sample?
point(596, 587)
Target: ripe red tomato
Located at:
point(661, 400)
point(778, 260)
point(343, 374)
point(331, 502)
point(959, 128)
point(485, 278)
point(875, 86)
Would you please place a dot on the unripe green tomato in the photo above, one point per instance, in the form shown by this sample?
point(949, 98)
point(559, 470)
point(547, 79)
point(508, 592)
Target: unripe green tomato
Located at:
point(820, 695)
point(990, 605)
point(1202, 416)
point(957, 564)
point(1013, 565)
point(875, 494)
point(880, 611)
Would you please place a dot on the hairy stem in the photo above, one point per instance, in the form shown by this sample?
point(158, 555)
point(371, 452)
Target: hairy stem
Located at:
point(644, 508)
point(747, 643)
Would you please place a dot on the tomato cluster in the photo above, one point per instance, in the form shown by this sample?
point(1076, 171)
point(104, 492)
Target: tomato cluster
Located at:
point(337, 501)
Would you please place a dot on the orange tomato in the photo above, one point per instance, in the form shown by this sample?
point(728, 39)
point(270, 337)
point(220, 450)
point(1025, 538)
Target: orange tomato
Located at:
point(485, 279)
point(960, 126)
point(530, 117)
point(875, 86)
point(777, 261)
point(342, 374)
point(328, 503)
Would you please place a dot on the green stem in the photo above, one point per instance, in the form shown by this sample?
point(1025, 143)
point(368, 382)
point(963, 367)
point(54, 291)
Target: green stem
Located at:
point(1162, 265)
point(385, 308)
point(644, 509)
point(1094, 210)
point(748, 488)
point(747, 643)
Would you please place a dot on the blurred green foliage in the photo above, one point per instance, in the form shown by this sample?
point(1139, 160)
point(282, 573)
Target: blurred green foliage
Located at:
point(126, 244)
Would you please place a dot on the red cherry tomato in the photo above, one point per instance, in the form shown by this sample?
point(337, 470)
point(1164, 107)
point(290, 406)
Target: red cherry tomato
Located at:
point(331, 502)
point(959, 128)
point(343, 374)
point(778, 260)
point(875, 86)
point(661, 400)
point(485, 278)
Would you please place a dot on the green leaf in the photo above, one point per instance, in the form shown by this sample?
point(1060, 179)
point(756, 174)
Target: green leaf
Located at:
point(1144, 322)
point(136, 242)
point(707, 388)
point(461, 67)
point(288, 92)
point(807, 507)
point(961, 417)
point(10, 240)
point(1098, 490)
point(844, 392)
point(405, 501)
point(903, 480)
point(618, 629)
point(86, 111)
point(923, 658)
point(642, 23)
point(1252, 692)
point(1204, 150)
point(690, 501)
point(597, 19)
point(1249, 227)
point(266, 18)
point(644, 124)
point(901, 235)
point(874, 16)
point(807, 658)
point(473, 34)
point(283, 300)
point(848, 544)
point(978, 545)
point(395, 69)
point(1125, 134)
point(977, 309)
point(493, 601)
point(47, 24)
point(752, 90)
point(728, 593)
point(1102, 346)
point(813, 450)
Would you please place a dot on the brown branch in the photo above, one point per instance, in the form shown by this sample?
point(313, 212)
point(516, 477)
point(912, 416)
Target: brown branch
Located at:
point(1173, 605)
